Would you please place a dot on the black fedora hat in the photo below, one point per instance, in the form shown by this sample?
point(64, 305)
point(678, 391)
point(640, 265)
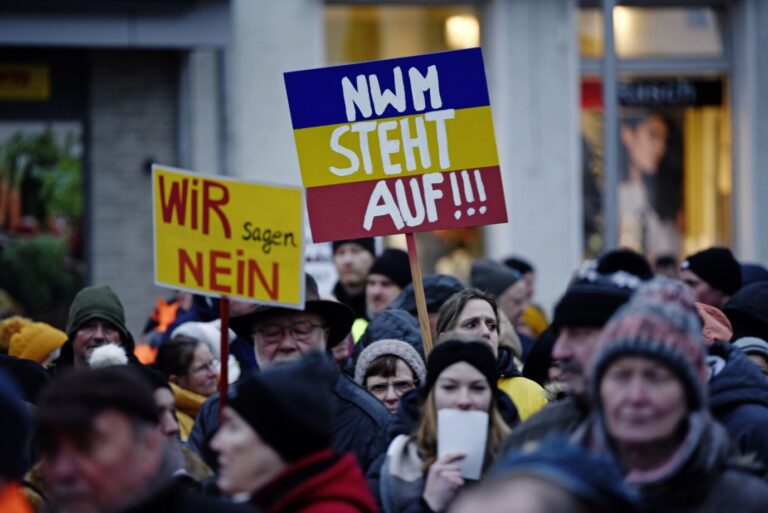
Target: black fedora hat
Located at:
point(337, 316)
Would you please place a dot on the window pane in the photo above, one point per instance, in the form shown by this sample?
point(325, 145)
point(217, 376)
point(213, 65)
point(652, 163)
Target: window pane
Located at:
point(654, 32)
point(674, 194)
point(359, 33)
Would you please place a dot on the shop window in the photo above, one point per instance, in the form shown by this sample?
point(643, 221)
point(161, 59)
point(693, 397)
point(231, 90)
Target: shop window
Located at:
point(674, 174)
point(643, 32)
point(356, 33)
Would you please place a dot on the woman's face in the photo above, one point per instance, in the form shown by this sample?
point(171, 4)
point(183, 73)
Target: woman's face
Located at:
point(643, 401)
point(389, 389)
point(462, 387)
point(646, 143)
point(202, 374)
point(478, 318)
point(246, 462)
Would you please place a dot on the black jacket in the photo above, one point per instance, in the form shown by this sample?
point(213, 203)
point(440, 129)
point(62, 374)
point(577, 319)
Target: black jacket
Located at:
point(738, 399)
point(360, 424)
point(176, 497)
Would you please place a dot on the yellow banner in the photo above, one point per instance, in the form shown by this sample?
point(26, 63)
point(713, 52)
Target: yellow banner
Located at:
point(400, 146)
point(229, 238)
point(25, 82)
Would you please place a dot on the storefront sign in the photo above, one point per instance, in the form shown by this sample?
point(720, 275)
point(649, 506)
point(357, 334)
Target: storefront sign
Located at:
point(24, 82)
point(656, 93)
point(228, 238)
point(396, 146)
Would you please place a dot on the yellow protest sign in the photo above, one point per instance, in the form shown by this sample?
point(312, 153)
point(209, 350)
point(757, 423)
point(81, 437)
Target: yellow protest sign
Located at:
point(226, 237)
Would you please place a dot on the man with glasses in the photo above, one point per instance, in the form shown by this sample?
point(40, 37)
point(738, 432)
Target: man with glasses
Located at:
point(281, 335)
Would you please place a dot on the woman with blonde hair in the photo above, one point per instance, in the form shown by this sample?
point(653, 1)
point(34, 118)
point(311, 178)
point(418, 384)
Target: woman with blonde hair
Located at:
point(460, 376)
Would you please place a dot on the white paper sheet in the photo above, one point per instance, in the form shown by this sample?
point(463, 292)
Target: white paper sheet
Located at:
point(463, 431)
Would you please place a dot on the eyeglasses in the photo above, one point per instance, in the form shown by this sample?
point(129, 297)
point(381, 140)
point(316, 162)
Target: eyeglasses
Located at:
point(400, 387)
point(300, 331)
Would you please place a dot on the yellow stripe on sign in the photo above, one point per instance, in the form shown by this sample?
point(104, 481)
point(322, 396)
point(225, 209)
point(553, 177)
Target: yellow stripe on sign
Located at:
point(385, 148)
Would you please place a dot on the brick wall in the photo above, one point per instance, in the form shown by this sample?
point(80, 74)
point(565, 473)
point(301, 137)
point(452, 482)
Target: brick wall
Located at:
point(132, 118)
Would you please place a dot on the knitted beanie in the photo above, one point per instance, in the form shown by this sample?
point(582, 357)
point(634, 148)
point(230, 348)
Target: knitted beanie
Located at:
point(393, 263)
point(627, 260)
point(289, 405)
point(664, 331)
point(748, 311)
point(391, 347)
point(98, 302)
point(78, 396)
point(477, 354)
point(492, 277)
point(367, 243)
point(36, 341)
point(752, 345)
point(437, 289)
point(518, 264)
point(206, 332)
point(716, 266)
point(8, 328)
point(592, 297)
point(717, 327)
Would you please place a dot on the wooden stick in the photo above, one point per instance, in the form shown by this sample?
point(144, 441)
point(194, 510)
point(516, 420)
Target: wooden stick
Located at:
point(224, 360)
point(418, 288)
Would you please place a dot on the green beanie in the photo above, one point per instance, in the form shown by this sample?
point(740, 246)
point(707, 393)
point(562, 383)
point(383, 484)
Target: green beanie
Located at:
point(98, 303)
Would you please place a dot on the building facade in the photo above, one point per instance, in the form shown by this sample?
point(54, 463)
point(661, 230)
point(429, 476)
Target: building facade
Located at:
point(654, 138)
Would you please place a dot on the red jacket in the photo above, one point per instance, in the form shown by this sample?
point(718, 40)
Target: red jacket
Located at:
point(320, 483)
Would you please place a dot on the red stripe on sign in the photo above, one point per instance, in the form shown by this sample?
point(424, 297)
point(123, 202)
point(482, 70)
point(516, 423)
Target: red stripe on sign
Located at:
point(403, 204)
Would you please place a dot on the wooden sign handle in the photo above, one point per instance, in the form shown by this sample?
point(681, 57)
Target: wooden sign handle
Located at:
point(418, 289)
point(224, 350)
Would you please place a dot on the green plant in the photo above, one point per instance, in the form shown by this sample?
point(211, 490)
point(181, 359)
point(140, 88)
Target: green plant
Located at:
point(35, 271)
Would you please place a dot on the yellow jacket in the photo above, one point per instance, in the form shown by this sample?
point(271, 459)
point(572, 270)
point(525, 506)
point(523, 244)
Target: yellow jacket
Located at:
point(188, 404)
point(527, 395)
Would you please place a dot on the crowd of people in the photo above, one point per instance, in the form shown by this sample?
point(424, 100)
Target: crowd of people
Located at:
point(647, 392)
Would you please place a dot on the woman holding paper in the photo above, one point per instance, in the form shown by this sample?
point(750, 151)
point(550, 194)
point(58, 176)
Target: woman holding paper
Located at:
point(459, 433)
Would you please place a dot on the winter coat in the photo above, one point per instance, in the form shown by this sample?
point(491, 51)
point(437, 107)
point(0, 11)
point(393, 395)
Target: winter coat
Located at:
point(561, 417)
point(360, 424)
point(188, 405)
point(320, 483)
point(738, 399)
point(527, 396)
point(176, 497)
point(402, 481)
point(701, 477)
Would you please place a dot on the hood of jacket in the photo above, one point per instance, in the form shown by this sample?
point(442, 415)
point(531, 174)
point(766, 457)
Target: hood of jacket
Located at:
point(735, 380)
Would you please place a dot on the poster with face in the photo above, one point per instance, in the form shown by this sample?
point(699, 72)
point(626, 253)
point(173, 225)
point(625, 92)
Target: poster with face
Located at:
point(652, 168)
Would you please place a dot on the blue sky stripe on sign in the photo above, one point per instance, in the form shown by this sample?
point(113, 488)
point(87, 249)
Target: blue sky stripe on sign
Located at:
point(316, 96)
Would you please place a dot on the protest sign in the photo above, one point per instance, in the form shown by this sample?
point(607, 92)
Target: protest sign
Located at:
point(396, 146)
point(228, 238)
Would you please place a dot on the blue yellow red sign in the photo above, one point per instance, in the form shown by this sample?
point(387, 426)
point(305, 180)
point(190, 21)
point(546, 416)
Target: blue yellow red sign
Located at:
point(396, 146)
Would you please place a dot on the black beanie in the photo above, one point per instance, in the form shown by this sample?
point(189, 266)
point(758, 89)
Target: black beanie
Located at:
point(626, 260)
point(393, 263)
point(367, 243)
point(592, 298)
point(716, 266)
point(289, 405)
point(477, 354)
